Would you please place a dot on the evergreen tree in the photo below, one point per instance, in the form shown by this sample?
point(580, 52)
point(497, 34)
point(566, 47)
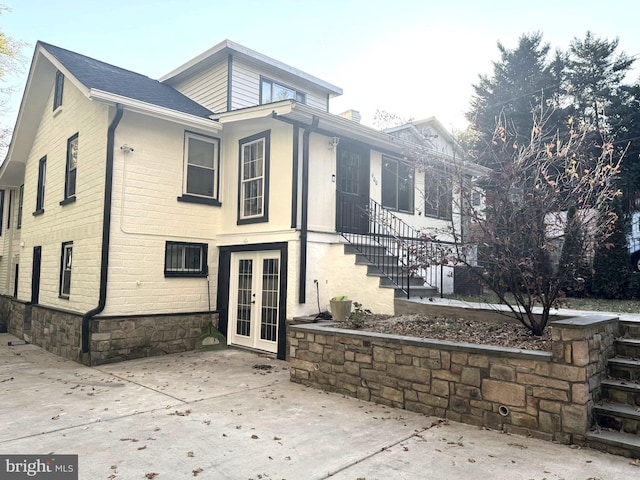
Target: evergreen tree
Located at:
point(612, 270)
point(524, 86)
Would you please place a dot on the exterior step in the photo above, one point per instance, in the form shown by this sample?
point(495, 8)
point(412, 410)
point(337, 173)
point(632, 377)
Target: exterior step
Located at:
point(624, 368)
point(628, 347)
point(618, 443)
point(370, 250)
point(616, 416)
point(394, 280)
point(422, 292)
point(630, 329)
point(621, 391)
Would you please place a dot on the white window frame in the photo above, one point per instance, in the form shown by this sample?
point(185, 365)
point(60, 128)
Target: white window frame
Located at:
point(215, 168)
point(262, 214)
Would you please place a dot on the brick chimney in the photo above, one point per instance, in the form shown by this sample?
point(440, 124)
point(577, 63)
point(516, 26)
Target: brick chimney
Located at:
point(352, 115)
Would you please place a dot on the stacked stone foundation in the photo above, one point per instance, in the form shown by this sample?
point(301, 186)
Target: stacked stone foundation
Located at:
point(549, 395)
point(112, 339)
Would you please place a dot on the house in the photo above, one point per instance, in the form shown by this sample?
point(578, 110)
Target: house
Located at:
point(133, 211)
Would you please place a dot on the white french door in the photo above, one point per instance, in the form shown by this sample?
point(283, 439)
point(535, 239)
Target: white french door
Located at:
point(254, 295)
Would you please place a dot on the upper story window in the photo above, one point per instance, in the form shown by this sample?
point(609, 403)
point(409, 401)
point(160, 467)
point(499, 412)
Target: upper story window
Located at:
point(1, 209)
point(397, 185)
point(42, 174)
point(59, 87)
point(20, 203)
point(72, 163)
point(202, 165)
point(253, 182)
point(438, 194)
point(271, 91)
point(183, 259)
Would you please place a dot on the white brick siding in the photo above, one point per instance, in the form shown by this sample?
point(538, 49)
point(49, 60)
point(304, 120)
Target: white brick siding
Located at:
point(80, 222)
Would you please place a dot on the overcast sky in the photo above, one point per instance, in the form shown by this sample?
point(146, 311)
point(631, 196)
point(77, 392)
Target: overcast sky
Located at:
point(412, 58)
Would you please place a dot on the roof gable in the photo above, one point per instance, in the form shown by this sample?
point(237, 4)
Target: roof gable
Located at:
point(226, 48)
point(97, 75)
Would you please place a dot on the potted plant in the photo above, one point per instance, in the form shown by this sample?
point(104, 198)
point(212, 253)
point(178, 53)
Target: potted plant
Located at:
point(340, 308)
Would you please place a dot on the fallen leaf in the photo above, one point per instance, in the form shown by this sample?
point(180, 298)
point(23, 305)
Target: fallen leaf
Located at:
point(196, 471)
point(635, 463)
point(519, 445)
point(142, 447)
point(471, 460)
point(277, 438)
point(254, 436)
point(152, 475)
point(189, 454)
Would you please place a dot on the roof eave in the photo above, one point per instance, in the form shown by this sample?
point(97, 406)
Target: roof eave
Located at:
point(154, 110)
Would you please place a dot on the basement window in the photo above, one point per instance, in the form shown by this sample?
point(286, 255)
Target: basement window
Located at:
point(183, 259)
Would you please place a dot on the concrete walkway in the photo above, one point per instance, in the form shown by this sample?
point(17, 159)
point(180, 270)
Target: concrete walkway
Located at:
point(214, 415)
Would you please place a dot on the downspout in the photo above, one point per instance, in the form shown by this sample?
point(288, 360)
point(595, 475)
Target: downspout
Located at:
point(106, 230)
point(304, 218)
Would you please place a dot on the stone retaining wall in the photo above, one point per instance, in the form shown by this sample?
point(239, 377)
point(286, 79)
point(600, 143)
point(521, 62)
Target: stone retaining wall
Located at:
point(547, 395)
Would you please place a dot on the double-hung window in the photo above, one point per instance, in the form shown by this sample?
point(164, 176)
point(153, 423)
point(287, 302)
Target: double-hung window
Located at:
point(65, 269)
point(42, 177)
point(438, 195)
point(271, 91)
point(72, 163)
point(397, 185)
point(183, 259)
point(202, 164)
point(253, 183)
point(20, 204)
point(57, 92)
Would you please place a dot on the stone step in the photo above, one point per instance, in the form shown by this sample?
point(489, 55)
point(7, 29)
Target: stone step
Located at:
point(621, 391)
point(628, 347)
point(624, 368)
point(618, 443)
point(618, 416)
point(630, 329)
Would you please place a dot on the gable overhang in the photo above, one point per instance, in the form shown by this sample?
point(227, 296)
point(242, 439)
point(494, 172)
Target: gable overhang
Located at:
point(34, 99)
point(155, 111)
point(320, 121)
point(221, 52)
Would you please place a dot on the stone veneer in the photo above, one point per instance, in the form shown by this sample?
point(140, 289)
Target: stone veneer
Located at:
point(545, 394)
point(112, 339)
point(123, 338)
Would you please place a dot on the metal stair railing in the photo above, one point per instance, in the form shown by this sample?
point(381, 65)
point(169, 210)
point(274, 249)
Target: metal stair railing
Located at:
point(398, 250)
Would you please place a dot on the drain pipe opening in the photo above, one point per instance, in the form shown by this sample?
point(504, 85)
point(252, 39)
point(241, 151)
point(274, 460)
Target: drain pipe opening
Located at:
point(503, 410)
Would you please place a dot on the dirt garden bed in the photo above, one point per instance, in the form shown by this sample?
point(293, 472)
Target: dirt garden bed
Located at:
point(507, 333)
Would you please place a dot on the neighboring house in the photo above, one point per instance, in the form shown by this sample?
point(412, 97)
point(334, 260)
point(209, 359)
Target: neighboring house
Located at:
point(133, 210)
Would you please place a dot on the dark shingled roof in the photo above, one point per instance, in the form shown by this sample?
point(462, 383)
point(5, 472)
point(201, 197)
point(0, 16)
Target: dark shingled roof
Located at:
point(108, 78)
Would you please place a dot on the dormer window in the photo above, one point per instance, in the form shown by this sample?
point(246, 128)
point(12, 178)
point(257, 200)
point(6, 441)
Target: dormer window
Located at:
point(271, 91)
point(57, 94)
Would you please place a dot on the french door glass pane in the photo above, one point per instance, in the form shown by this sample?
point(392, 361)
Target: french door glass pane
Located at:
point(245, 278)
point(270, 284)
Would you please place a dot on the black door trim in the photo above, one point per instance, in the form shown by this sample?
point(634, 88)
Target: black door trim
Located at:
point(224, 276)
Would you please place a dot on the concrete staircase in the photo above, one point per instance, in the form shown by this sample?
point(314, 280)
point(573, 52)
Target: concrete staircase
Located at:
point(617, 415)
point(380, 264)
